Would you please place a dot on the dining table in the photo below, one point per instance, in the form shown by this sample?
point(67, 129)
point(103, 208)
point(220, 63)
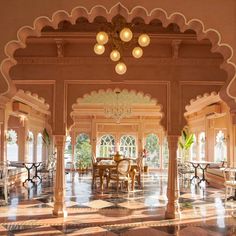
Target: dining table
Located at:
point(104, 165)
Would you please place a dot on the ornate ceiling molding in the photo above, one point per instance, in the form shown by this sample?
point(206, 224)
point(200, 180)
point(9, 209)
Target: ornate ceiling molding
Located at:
point(102, 96)
point(92, 60)
point(33, 100)
point(99, 10)
point(93, 103)
point(202, 101)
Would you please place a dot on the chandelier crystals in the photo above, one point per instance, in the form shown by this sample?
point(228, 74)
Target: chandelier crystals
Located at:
point(119, 36)
point(118, 109)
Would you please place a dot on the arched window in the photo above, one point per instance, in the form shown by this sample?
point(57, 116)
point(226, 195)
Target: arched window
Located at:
point(83, 151)
point(106, 146)
point(128, 146)
point(220, 146)
point(152, 147)
point(193, 149)
point(39, 147)
point(12, 146)
point(165, 154)
point(202, 144)
point(30, 143)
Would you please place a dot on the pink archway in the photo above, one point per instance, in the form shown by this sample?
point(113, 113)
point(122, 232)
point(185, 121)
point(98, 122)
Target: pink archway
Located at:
point(228, 92)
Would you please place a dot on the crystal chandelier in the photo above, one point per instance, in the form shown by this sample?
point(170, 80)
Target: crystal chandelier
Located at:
point(117, 110)
point(120, 36)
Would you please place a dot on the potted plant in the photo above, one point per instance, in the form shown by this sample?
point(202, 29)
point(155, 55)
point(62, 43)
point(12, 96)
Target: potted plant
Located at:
point(185, 142)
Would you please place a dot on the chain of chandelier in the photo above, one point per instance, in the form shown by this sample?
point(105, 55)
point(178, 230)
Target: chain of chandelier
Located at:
point(120, 37)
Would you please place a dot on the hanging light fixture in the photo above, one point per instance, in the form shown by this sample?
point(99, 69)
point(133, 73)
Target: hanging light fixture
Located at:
point(99, 49)
point(117, 109)
point(119, 34)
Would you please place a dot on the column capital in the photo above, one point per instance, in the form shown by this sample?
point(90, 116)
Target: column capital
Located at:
point(59, 140)
point(173, 141)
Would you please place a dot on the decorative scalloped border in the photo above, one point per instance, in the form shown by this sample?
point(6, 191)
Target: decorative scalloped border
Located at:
point(33, 95)
point(95, 92)
point(201, 98)
point(102, 91)
point(99, 10)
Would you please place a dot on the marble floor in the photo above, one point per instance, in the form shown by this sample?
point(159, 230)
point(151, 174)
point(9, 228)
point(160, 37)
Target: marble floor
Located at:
point(91, 212)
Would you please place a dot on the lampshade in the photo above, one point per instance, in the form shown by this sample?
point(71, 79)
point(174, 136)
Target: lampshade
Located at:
point(126, 34)
point(99, 49)
point(121, 68)
point(144, 40)
point(115, 55)
point(137, 52)
point(102, 38)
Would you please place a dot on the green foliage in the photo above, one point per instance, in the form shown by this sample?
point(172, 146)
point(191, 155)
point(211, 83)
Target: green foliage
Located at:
point(46, 137)
point(186, 140)
point(152, 144)
point(83, 153)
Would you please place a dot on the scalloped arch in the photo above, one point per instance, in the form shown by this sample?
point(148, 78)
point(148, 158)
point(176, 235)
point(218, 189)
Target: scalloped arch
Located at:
point(202, 97)
point(101, 92)
point(138, 11)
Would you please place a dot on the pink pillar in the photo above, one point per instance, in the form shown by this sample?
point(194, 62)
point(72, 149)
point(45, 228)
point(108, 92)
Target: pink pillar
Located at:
point(172, 186)
point(59, 190)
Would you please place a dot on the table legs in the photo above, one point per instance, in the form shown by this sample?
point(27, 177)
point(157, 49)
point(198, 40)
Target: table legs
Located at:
point(203, 174)
point(28, 168)
point(195, 166)
point(36, 165)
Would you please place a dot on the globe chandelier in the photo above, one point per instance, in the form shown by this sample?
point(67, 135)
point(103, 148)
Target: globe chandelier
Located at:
point(119, 37)
point(117, 110)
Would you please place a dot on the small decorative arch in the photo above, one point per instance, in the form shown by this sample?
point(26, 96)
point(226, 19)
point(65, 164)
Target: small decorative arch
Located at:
point(227, 93)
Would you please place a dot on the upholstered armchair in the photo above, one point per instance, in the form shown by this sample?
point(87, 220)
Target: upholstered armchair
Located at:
point(121, 174)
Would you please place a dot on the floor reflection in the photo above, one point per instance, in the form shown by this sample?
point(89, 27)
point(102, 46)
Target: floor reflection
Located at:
point(91, 212)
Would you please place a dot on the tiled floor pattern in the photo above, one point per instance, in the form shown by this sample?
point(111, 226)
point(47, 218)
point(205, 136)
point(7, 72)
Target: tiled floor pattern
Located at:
point(91, 212)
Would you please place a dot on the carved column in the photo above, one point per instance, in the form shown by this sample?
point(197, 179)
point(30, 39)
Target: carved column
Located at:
point(161, 143)
point(22, 141)
point(35, 146)
point(172, 186)
point(3, 125)
point(73, 142)
point(59, 191)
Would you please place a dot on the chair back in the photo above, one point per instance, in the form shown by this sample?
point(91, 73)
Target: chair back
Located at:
point(3, 170)
point(123, 167)
point(229, 174)
point(140, 162)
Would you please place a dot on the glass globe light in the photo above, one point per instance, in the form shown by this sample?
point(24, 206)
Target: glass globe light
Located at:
point(99, 49)
point(102, 38)
point(144, 40)
point(137, 52)
point(121, 68)
point(126, 34)
point(115, 55)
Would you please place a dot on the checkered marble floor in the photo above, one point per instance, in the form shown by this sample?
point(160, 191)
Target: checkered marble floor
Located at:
point(139, 212)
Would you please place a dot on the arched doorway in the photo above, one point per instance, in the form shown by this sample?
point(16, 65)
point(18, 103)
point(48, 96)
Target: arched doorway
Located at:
point(168, 104)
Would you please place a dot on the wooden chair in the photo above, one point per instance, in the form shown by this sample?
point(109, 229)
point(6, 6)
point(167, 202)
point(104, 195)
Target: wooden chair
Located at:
point(139, 170)
point(95, 171)
point(4, 179)
point(230, 182)
point(121, 175)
